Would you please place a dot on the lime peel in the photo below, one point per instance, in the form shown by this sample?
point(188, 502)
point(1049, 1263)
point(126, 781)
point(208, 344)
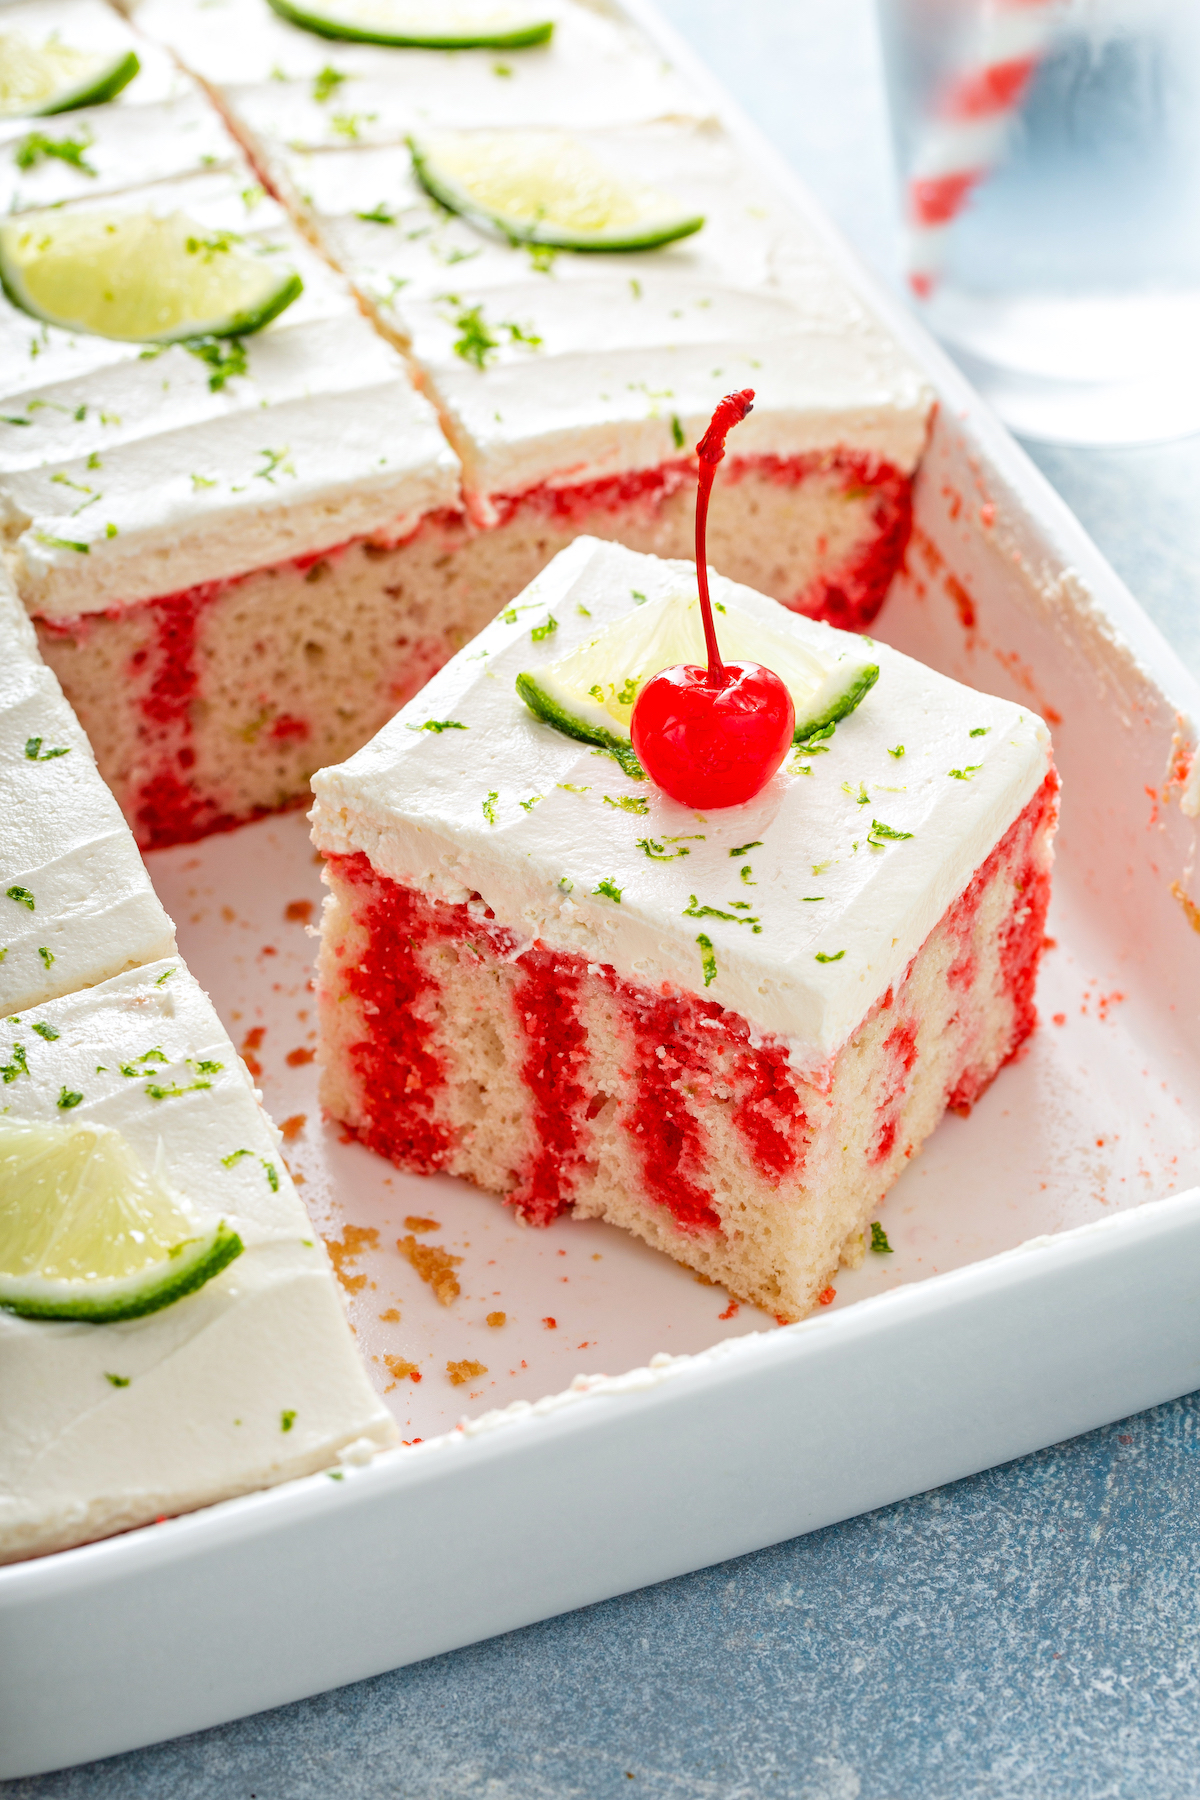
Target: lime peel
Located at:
point(56, 78)
point(546, 187)
point(411, 24)
point(141, 277)
point(589, 694)
point(88, 1233)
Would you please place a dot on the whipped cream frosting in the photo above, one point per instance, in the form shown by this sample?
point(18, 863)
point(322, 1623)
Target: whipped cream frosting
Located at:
point(64, 845)
point(120, 147)
point(250, 1381)
point(168, 482)
point(605, 363)
point(531, 822)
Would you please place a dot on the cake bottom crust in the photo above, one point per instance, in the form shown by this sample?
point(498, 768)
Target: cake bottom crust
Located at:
point(554, 1083)
point(213, 706)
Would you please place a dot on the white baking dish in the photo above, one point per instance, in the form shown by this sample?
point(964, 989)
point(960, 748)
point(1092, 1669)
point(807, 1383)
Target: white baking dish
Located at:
point(957, 1352)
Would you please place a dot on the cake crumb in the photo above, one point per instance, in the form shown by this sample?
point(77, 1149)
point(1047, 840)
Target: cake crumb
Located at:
point(550, 1324)
point(827, 1296)
point(464, 1371)
point(412, 1223)
point(347, 1249)
point(391, 1316)
point(497, 1318)
point(291, 1128)
point(399, 1367)
point(300, 911)
point(434, 1265)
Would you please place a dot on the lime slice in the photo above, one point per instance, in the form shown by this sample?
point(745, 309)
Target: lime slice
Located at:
point(544, 187)
point(141, 276)
point(590, 692)
point(87, 1232)
point(57, 78)
point(423, 24)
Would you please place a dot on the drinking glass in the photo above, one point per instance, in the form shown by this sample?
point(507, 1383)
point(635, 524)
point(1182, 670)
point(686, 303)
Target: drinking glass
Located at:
point(1049, 159)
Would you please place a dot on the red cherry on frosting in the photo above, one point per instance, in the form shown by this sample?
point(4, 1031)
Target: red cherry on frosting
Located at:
point(715, 736)
point(710, 746)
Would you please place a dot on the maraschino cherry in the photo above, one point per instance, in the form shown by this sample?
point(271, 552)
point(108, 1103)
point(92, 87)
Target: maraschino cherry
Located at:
point(713, 737)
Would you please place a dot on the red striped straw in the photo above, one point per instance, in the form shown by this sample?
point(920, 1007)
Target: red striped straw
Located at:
point(971, 120)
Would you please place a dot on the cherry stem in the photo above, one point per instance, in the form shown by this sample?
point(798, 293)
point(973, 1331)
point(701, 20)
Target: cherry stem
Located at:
point(711, 448)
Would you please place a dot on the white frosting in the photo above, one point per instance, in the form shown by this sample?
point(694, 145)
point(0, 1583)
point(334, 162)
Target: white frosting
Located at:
point(63, 841)
point(626, 341)
point(413, 801)
point(124, 147)
point(324, 439)
point(212, 1377)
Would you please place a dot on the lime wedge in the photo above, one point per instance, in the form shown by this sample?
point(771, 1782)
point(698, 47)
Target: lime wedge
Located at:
point(544, 187)
point(590, 692)
point(87, 1232)
point(141, 276)
point(57, 78)
point(423, 24)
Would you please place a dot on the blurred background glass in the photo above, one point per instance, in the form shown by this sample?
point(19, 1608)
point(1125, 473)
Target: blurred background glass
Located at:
point(1049, 160)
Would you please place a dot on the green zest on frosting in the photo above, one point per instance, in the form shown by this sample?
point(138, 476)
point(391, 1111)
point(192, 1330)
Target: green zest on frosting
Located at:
point(658, 852)
point(694, 911)
point(708, 959)
point(880, 831)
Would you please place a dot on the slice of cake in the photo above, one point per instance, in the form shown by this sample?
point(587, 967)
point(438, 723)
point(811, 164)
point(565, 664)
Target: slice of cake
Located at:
point(725, 1031)
point(237, 549)
point(248, 1380)
point(76, 905)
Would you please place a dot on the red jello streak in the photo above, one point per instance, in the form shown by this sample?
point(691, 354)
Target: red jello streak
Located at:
point(547, 1005)
point(848, 597)
point(900, 1050)
point(1022, 938)
point(677, 1044)
point(660, 1124)
point(572, 503)
point(400, 1072)
point(168, 807)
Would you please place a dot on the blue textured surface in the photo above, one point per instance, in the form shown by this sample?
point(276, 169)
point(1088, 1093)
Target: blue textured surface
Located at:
point(1031, 1632)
